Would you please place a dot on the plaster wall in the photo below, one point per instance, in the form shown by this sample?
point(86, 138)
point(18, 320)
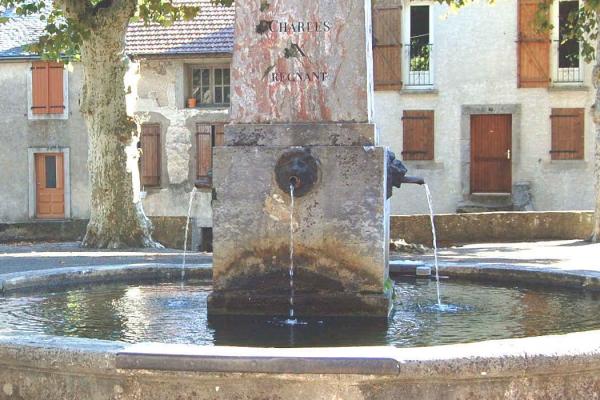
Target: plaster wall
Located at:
point(18, 133)
point(475, 65)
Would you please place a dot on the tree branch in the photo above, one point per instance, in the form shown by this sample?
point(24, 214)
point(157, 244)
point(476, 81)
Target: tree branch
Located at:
point(75, 9)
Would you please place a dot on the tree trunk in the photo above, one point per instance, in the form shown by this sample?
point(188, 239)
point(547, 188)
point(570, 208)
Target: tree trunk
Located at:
point(596, 81)
point(117, 219)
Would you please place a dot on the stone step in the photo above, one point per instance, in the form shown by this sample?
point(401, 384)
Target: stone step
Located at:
point(486, 202)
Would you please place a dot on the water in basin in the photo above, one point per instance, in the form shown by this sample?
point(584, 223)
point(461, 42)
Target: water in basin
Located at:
point(169, 312)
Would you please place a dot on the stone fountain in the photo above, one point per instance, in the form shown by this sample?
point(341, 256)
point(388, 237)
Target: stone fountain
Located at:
point(302, 115)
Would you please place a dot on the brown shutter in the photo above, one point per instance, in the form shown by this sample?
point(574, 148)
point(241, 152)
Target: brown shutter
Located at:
point(204, 148)
point(418, 131)
point(47, 88)
point(150, 159)
point(387, 45)
point(568, 132)
point(39, 88)
point(55, 88)
point(533, 48)
point(219, 135)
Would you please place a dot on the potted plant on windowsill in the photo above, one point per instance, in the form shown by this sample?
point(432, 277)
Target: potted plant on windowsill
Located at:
point(191, 102)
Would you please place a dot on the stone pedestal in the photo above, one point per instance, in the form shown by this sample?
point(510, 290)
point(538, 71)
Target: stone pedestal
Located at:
point(301, 84)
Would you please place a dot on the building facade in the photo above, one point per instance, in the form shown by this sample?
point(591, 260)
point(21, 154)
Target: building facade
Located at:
point(478, 102)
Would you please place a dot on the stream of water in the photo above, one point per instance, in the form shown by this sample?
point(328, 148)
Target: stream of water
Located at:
point(435, 249)
point(187, 229)
point(291, 319)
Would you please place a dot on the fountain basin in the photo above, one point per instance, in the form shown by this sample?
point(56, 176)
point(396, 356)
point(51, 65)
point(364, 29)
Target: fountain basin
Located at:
point(53, 367)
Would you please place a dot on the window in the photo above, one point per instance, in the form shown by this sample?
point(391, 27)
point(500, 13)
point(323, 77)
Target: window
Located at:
point(567, 56)
point(211, 86)
point(533, 48)
point(50, 162)
point(387, 46)
point(568, 131)
point(419, 47)
point(207, 137)
point(150, 157)
point(418, 135)
point(47, 97)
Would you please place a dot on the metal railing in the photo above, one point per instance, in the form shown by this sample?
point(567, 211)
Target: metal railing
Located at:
point(419, 58)
point(568, 67)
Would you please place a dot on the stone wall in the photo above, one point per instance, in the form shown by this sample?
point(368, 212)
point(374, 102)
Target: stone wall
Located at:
point(158, 90)
point(455, 229)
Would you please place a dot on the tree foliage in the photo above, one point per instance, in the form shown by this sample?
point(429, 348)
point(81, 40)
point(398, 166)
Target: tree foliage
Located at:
point(69, 22)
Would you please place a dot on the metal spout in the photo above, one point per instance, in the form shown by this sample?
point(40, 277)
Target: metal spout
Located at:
point(396, 175)
point(416, 180)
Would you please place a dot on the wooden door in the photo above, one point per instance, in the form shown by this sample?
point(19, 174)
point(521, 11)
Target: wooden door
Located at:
point(491, 148)
point(50, 188)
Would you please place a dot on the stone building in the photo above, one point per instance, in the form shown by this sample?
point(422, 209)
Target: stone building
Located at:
point(476, 101)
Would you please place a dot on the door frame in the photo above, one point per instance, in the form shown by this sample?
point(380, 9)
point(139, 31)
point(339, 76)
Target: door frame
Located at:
point(31, 152)
point(465, 139)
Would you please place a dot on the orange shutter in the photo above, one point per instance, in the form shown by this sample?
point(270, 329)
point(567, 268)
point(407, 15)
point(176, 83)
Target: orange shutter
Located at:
point(55, 88)
point(418, 135)
point(39, 88)
point(47, 88)
point(568, 132)
point(387, 45)
point(533, 48)
point(150, 159)
point(204, 145)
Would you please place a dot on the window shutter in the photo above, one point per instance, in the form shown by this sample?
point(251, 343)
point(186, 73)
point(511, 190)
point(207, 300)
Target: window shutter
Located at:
point(55, 88)
point(204, 148)
point(150, 159)
point(418, 135)
point(533, 48)
point(387, 45)
point(39, 88)
point(219, 135)
point(47, 88)
point(568, 132)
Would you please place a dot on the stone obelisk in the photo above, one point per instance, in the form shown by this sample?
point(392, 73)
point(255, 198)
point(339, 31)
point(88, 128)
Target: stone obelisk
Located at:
point(302, 99)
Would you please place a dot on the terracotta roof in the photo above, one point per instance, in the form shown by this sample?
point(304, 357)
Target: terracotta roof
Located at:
point(211, 32)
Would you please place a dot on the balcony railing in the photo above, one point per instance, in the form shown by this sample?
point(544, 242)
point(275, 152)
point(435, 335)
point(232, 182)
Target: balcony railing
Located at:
point(567, 63)
point(419, 64)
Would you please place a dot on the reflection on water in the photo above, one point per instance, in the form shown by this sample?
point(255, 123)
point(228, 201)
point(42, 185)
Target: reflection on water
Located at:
point(174, 314)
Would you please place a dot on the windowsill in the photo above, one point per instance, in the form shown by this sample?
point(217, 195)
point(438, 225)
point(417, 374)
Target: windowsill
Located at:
point(210, 107)
point(47, 117)
point(419, 90)
point(413, 165)
point(568, 87)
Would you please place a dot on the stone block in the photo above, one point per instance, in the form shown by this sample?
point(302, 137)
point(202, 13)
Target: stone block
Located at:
point(301, 134)
point(302, 61)
point(340, 235)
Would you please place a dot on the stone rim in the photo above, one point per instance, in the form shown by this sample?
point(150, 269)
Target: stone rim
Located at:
point(478, 360)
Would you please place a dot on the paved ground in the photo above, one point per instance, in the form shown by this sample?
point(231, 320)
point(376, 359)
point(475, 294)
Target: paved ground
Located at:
point(563, 255)
point(29, 257)
point(572, 256)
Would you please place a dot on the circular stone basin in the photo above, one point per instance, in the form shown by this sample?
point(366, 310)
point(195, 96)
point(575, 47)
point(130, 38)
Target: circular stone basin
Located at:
point(175, 313)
